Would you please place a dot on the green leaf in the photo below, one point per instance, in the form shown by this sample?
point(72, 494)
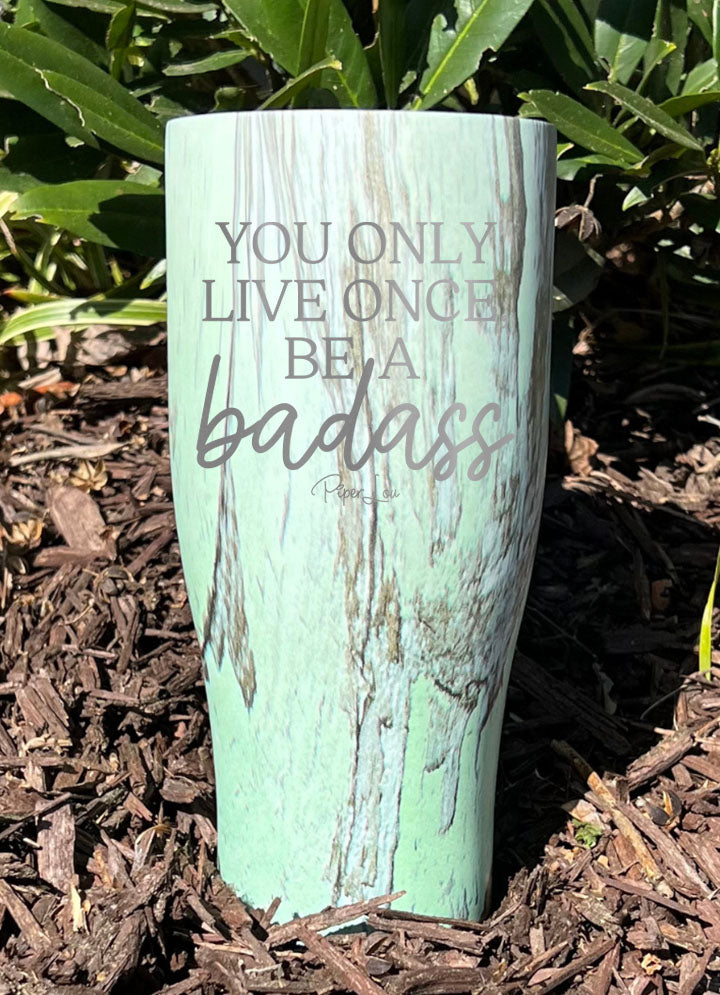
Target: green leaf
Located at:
point(71, 313)
point(277, 28)
point(206, 64)
point(716, 31)
point(110, 121)
point(116, 213)
point(563, 32)
point(671, 24)
point(282, 97)
point(403, 32)
point(391, 34)
point(705, 647)
point(183, 7)
point(25, 83)
point(54, 26)
point(65, 87)
point(454, 51)
point(146, 8)
point(678, 106)
point(119, 37)
point(622, 32)
point(648, 112)
point(702, 77)
point(314, 34)
point(586, 833)
point(15, 182)
point(578, 166)
point(119, 33)
point(700, 13)
point(657, 51)
point(584, 127)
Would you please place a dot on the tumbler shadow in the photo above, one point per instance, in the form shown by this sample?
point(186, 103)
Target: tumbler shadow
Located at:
point(625, 558)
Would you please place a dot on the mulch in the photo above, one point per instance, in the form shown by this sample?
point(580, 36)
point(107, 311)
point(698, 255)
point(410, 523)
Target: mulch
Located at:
point(608, 821)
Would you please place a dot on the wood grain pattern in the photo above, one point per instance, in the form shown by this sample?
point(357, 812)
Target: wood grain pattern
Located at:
point(357, 654)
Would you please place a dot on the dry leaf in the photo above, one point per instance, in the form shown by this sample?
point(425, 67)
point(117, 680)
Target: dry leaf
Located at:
point(580, 218)
point(651, 964)
point(580, 451)
point(88, 477)
point(25, 535)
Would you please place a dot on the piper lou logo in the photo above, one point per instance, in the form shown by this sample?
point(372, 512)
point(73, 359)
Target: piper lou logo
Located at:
point(407, 299)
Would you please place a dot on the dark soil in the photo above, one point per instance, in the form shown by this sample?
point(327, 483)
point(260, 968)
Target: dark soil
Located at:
point(608, 856)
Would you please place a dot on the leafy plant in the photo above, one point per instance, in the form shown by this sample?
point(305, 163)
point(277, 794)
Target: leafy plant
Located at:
point(586, 833)
point(86, 87)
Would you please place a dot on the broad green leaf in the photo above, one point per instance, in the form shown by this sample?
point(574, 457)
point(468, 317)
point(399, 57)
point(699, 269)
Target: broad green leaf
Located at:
point(590, 9)
point(64, 87)
point(282, 97)
point(314, 34)
point(677, 106)
point(15, 182)
point(109, 121)
point(671, 24)
point(634, 197)
point(54, 26)
point(146, 8)
point(700, 13)
point(72, 313)
point(584, 127)
point(702, 77)
point(391, 33)
point(25, 83)
point(657, 51)
point(183, 7)
point(622, 31)
point(119, 38)
point(716, 31)
point(455, 50)
point(648, 112)
point(563, 32)
point(207, 64)
point(403, 32)
point(119, 33)
point(572, 167)
point(277, 28)
point(116, 213)
point(705, 647)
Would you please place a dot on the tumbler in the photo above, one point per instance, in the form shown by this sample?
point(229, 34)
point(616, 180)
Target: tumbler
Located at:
point(359, 321)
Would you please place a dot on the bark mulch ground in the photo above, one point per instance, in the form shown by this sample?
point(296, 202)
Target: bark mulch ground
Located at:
point(608, 823)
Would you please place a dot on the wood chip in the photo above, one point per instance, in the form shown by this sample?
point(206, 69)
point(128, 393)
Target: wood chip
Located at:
point(342, 969)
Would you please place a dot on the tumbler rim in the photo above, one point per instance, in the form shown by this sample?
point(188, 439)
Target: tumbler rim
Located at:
point(328, 112)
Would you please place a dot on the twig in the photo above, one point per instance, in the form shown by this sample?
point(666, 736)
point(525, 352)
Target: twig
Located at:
point(607, 802)
point(91, 451)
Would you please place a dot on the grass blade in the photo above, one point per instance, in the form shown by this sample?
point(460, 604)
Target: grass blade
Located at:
point(79, 313)
point(705, 649)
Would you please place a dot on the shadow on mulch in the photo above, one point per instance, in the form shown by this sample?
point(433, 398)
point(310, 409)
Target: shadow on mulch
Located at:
point(625, 558)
